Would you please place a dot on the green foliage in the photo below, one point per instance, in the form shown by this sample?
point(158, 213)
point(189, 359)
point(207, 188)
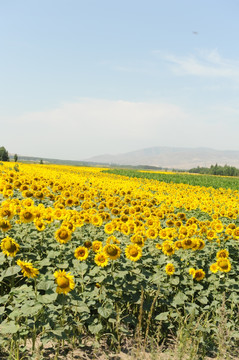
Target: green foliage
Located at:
point(3, 154)
point(225, 170)
point(15, 157)
point(181, 178)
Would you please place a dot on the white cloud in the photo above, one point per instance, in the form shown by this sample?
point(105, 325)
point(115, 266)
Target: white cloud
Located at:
point(91, 127)
point(204, 63)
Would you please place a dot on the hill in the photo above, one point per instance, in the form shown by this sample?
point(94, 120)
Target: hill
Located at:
point(171, 157)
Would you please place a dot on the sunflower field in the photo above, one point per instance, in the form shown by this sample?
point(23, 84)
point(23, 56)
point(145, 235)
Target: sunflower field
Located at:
point(89, 253)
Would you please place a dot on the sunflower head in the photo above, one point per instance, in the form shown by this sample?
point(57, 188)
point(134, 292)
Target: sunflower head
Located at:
point(27, 215)
point(63, 235)
point(88, 244)
point(214, 268)
point(96, 246)
point(81, 253)
point(223, 264)
point(198, 275)
point(101, 259)
point(112, 251)
point(222, 254)
point(9, 246)
point(27, 269)
point(65, 282)
point(133, 252)
point(5, 225)
point(168, 247)
point(170, 269)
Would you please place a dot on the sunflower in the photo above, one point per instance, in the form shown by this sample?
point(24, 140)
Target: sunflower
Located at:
point(9, 246)
point(27, 215)
point(187, 244)
point(224, 264)
point(218, 227)
point(178, 244)
point(191, 271)
point(112, 251)
point(88, 244)
point(109, 228)
point(96, 246)
point(6, 213)
point(133, 252)
point(152, 233)
point(137, 239)
point(101, 259)
point(96, 220)
point(70, 201)
point(222, 254)
point(170, 269)
point(63, 235)
point(5, 225)
point(27, 269)
point(198, 274)
point(163, 234)
point(112, 239)
point(39, 224)
point(214, 268)
point(236, 233)
point(69, 225)
point(201, 244)
point(168, 247)
point(211, 234)
point(65, 282)
point(81, 253)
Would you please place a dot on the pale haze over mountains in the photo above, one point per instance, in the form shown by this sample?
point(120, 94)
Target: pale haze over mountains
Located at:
point(172, 157)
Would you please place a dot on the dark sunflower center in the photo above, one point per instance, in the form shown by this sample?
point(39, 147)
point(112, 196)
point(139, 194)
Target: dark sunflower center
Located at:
point(10, 246)
point(4, 225)
point(28, 215)
point(111, 250)
point(63, 234)
point(62, 282)
point(133, 252)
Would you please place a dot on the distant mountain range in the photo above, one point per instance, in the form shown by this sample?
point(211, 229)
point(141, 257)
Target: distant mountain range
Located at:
point(171, 158)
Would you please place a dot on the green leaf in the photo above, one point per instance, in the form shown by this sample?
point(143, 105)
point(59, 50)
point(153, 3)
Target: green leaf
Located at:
point(2, 309)
point(95, 328)
point(45, 285)
point(162, 316)
point(179, 299)
point(105, 311)
point(3, 299)
point(81, 308)
point(9, 328)
point(82, 267)
point(94, 271)
point(47, 298)
point(12, 270)
point(45, 262)
point(2, 258)
point(63, 265)
point(175, 280)
point(203, 300)
point(29, 311)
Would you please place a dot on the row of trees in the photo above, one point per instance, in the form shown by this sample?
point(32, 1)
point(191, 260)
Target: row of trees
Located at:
point(4, 155)
point(225, 170)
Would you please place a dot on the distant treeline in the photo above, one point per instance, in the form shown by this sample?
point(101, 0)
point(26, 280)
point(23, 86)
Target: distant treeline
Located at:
point(225, 170)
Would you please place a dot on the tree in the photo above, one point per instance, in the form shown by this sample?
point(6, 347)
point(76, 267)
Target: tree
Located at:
point(3, 154)
point(41, 161)
point(15, 157)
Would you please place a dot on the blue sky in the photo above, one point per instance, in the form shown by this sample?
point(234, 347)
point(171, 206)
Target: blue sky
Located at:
point(83, 78)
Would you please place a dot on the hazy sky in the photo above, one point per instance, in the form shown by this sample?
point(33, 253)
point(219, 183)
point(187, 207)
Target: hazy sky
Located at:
point(86, 77)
